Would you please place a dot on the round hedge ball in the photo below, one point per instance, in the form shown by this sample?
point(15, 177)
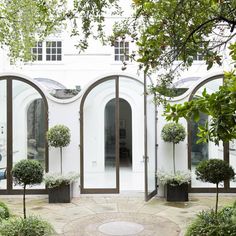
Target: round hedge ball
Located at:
point(58, 136)
point(173, 133)
point(28, 172)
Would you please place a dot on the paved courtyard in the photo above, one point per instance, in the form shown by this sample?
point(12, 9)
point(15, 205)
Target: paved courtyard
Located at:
point(117, 215)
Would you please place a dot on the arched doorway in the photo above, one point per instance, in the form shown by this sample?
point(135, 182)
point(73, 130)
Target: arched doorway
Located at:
point(205, 151)
point(23, 125)
point(112, 136)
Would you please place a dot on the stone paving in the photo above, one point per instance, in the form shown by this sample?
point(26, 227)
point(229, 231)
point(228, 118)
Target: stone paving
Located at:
point(116, 215)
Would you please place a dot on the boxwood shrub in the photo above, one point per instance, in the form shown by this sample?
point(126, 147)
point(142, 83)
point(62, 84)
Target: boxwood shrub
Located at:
point(4, 211)
point(30, 226)
point(208, 223)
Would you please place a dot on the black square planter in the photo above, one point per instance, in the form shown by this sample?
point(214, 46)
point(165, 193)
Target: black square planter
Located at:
point(61, 194)
point(178, 193)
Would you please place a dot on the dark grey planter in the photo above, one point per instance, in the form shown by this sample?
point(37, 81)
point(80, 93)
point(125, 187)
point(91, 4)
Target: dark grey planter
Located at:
point(178, 193)
point(61, 194)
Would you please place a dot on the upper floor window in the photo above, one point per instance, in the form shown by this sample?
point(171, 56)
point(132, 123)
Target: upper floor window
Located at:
point(121, 51)
point(53, 50)
point(198, 57)
point(47, 51)
point(37, 52)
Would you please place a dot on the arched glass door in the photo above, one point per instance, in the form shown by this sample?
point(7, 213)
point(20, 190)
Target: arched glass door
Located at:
point(112, 138)
point(23, 126)
point(100, 156)
point(198, 152)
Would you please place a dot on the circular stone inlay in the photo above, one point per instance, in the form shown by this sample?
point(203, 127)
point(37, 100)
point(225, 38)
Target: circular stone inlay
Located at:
point(120, 228)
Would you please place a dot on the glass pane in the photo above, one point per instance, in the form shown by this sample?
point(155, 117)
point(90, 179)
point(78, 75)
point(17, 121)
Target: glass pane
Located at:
point(58, 43)
point(151, 169)
point(232, 159)
point(204, 151)
point(99, 137)
point(131, 135)
point(29, 126)
point(3, 134)
point(110, 134)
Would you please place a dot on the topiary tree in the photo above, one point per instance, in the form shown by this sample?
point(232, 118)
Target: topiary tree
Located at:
point(214, 171)
point(173, 133)
point(27, 172)
point(59, 136)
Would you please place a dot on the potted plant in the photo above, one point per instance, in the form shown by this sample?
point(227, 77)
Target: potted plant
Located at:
point(176, 184)
point(27, 172)
point(214, 171)
point(59, 184)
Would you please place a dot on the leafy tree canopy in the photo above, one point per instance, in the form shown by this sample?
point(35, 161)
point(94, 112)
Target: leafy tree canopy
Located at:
point(219, 106)
point(173, 30)
point(23, 22)
point(164, 30)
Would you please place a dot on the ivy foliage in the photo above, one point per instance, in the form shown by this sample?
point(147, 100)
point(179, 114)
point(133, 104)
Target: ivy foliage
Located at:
point(219, 106)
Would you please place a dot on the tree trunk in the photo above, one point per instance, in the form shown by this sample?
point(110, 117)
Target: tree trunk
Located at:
point(174, 157)
point(217, 196)
point(24, 210)
point(61, 158)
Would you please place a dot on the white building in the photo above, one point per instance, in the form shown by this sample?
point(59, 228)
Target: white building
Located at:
point(105, 115)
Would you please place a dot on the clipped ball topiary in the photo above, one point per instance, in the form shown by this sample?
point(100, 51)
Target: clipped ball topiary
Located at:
point(173, 133)
point(214, 171)
point(27, 172)
point(59, 136)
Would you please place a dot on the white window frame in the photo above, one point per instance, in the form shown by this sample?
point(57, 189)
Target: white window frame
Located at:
point(44, 61)
point(119, 54)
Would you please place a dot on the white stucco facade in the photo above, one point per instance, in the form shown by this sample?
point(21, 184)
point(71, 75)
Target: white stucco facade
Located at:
point(85, 70)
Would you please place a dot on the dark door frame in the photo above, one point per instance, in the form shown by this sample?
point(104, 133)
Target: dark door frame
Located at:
point(90, 88)
point(100, 190)
point(148, 195)
point(9, 114)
